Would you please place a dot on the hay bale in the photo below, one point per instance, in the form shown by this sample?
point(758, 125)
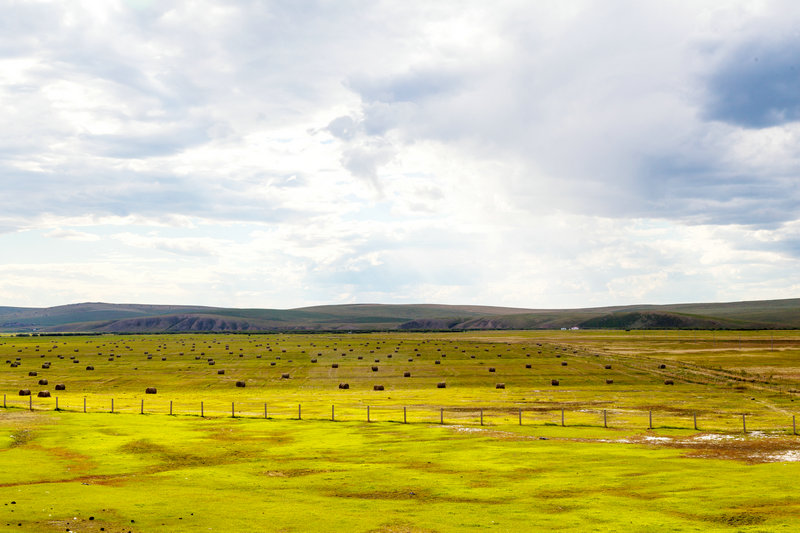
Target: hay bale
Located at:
point(491, 369)
point(528, 366)
point(24, 392)
point(163, 358)
point(608, 367)
point(344, 386)
point(360, 357)
point(150, 390)
point(374, 368)
point(90, 367)
point(441, 385)
point(563, 363)
point(554, 382)
point(42, 382)
point(43, 394)
point(662, 367)
point(500, 386)
point(669, 382)
point(272, 363)
point(45, 365)
point(241, 384)
point(377, 387)
point(220, 372)
point(313, 360)
point(609, 382)
point(31, 373)
point(438, 362)
point(212, 363)
point(61, 386)
point(285, 375)
point(406, 374)
point(335, 365)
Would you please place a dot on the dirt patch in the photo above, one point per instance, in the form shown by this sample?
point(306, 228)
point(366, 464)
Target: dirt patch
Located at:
point(295, 472)
point(401, 527)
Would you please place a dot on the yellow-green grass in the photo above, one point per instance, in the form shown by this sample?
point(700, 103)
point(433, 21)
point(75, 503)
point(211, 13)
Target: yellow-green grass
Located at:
point(188, 473)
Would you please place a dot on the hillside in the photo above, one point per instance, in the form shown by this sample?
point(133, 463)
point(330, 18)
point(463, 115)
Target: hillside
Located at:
point(135, 318)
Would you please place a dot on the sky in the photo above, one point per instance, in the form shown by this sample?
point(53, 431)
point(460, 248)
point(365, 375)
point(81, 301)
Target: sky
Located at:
point(287, 153)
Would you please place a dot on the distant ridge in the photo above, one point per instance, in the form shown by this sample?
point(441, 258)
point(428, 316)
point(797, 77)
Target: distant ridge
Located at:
point(98, 317)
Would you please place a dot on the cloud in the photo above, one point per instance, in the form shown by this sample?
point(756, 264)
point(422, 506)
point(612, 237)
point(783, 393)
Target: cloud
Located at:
point(517, 153)
point(71, 235)
point(757, 83)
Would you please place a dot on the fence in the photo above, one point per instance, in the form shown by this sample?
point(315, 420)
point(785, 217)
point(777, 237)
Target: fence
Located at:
point(542, 416)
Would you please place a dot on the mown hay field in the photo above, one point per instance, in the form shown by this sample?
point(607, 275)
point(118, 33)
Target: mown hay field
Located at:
point(266, 455)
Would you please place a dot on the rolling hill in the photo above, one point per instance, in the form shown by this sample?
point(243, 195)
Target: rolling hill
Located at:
point(136, 318)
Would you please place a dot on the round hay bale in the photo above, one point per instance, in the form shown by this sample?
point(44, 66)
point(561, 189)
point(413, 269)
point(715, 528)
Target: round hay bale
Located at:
point(344, 386)
point(500, 386)
point(662, 367)
point(441, 385)
point(90, 367)
point(438, 362)
point(406, 374)
point(377, 387)
point(410, 359)
point(528, 366)
point(669, 382)
point(24, 392)
point(42, 382)
point(335, 365)
point(31, 373)
point(360, 357)
point(554, 382)
point(212, 363)
point(313, 360)
point(609, 382)
point(491, 369)
point(241, 384)
point(472, 357)
point(608, 367)
point(45, 365)
point(220, 372)
point(272, 363)
point(285, 375)
point(61, 386)
point(374, 368)
point(43, 394)
point(563, 363)
point(163, 358)
point(150, 390)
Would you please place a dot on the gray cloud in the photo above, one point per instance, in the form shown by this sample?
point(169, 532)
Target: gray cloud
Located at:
point(757, 84)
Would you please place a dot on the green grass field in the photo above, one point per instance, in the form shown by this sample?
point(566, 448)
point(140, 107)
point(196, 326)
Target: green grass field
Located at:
point(69, 470)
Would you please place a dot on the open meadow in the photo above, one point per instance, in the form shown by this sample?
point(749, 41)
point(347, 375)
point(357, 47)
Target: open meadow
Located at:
point(497, 431)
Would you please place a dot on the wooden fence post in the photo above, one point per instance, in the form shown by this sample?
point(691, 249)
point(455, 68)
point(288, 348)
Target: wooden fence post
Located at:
point(141, 409)
point(333, 418)
point(201, 410)
point(30, 402)
point(650, 424)
point(56, 403)
point(794, 427)
point(299, 412)
point(441, 415)
point(84, 404)
point(4, 401)
point(695, 420)
point(520, 416)
point(405, 420)
point(562, 417)
point(481, 416)
point(744, 424)
point(233, 410)
point(605, 420)
point(112, 405)
point(170, 408)
point(265, 410)
point(368, 413)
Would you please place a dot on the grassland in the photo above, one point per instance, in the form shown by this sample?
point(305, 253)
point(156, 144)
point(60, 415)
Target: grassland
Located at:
point(70, 470)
